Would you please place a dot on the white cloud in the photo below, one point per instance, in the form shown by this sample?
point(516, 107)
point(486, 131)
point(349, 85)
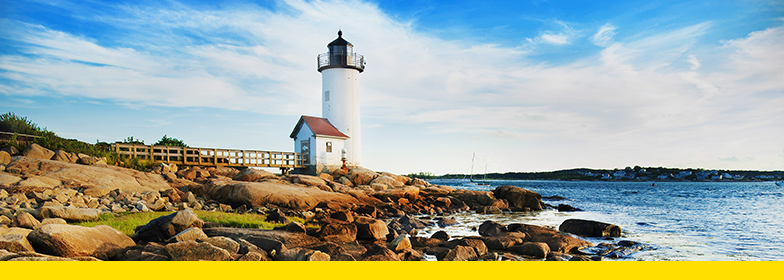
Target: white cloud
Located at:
point(695, 64)
point(604, 37)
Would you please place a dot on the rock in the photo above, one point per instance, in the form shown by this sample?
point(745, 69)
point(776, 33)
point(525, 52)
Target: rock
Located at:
point(371, 229)
point(447, 222)
point(505, 240)
point(556, 256)
point(386, 181)
point(444, 202)
point(342, 215)
point(36, 151)
point(489, 210)
point(5, 157)
point(302, 254)
point(338, 232)
point(378, 252)
point(86, 159)
point(26, 220)
point(112, 177)
point(418, 182)
point(224, 243)
point(15, 240)
point(97, 191)
point(267, 240)
point(36, 183)
point(7, 179)
point(590, 228)
point(400, 243)
point(535, 250)
point(193, 251)
point(519, 198)
point(326, 176)
point(220, 171)
point(307, 180)
point(460, 253)
point(194, 233)
point(490, 228)
point(253, 175)
point(258, 194)
point(163, 228)
point(476, 244)
point(293, 227)
point(411, 255)
point(567, 208)
point(361, 176)
point(11, 150)
point(69, 213)
point(409, 222)
point(102, 242)
point(558, 242)
point(345, 181)
point(440, 235)
point(64, 156)
point(419, 242)
point(276, 217)
point(253, 256)
point(56, 221)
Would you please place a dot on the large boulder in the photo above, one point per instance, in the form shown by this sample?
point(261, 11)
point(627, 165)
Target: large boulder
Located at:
point(519, 198)
point(590, 228)
point(196, 251)
point(361, 176)
point(5, 157)
point(7, 180)
point(102, 242)
point(460, 253)
point(258, 194)
point(64, 156)
point(165, 227)
point(36, 151)
point(69, 213)
point(253, 175)
point(557, 241)
point(505, 240)
point(15, 240)
point(535, 250)
point(112, 177)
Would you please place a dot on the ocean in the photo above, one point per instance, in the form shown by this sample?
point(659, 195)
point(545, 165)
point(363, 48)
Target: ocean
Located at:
point(680, 221)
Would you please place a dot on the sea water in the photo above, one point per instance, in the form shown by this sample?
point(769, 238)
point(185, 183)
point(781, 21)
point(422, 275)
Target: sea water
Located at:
point(696, 221)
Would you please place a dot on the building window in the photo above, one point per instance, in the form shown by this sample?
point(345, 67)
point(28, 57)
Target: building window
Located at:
point(329, 147)
point(326, 96)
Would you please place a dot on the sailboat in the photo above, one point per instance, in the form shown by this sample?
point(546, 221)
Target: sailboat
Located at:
point(471, 182)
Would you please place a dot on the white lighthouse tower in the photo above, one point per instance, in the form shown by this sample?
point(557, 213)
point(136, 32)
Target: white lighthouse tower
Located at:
point(340, 68)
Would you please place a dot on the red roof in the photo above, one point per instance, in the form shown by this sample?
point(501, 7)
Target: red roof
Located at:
point(319, 126)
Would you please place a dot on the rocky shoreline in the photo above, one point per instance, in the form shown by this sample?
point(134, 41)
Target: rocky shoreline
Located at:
point(354, 214)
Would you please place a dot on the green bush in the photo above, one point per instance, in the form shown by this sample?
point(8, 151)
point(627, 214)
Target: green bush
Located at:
point(170, 141)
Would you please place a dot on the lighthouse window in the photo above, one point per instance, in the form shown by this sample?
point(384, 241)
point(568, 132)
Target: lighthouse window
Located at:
point(329, 147)
point(326, 96)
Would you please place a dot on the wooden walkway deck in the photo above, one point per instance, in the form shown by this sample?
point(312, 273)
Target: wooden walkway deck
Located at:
point(211, 156)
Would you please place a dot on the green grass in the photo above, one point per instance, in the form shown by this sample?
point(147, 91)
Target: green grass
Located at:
point(127, 222)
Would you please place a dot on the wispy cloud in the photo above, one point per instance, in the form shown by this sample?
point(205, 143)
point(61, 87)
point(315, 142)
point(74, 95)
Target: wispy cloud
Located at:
point(604, 37)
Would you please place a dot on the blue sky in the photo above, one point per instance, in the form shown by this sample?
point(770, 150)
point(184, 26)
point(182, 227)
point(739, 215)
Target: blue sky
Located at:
point(526, 85)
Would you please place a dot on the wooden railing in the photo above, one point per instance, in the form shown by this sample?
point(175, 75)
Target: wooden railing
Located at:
point(7, 136)
point(210, 156)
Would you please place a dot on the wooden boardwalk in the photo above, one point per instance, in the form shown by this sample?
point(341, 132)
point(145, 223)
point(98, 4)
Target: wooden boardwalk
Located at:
point(211, 156)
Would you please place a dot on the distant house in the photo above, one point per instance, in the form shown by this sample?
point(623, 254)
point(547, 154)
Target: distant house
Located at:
point(319, 142)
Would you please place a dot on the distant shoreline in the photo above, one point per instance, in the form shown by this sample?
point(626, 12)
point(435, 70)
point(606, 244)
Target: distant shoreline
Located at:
point(636, 174)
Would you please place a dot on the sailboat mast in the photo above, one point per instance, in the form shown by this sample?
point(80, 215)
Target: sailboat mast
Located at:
point(472, 166)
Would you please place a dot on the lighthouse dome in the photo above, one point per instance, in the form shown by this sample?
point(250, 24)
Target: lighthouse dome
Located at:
point(339, 41)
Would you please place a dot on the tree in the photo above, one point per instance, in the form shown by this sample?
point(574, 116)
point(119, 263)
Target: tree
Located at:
point(170, 141)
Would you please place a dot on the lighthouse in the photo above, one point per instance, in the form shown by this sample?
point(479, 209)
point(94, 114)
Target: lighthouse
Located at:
point(340, 67)
point(325, 142)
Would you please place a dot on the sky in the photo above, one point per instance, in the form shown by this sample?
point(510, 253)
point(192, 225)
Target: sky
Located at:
point(525, 85)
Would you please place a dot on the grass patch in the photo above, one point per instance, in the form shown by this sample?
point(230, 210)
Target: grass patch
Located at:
point(124, 222)
point(127, 222)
